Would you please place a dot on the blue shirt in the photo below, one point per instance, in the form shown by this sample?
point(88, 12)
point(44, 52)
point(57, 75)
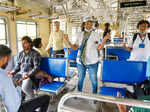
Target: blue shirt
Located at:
point(28, 63)
point(11, 95)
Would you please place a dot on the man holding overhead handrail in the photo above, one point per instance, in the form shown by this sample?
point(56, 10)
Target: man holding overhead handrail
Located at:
point(88, 43)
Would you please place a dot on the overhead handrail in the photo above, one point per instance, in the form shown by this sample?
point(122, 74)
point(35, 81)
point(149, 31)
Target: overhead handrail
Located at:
point(96, 97)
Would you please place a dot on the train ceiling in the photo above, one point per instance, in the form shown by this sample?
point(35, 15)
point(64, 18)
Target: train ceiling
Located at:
point(76, 10)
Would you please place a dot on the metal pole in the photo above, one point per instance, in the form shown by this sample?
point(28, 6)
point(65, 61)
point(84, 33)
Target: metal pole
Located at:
point(96, 97)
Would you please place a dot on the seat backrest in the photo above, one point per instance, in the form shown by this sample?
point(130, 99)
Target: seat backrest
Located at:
point(57, 67)
point(127, 72)
point(72, 55)
point(121, 53)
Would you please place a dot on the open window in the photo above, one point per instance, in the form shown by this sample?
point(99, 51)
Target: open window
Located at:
point(25, 28)
point(3, 32)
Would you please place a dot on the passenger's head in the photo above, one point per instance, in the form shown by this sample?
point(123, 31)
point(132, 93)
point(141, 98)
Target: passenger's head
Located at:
point(107, 26)
point(26, 43)
point(83, 26)
point(37, 43)
point(5, 53)
point(96, 25)
point(88, 24)
point(122, 34)
point(147, 24)
point(143, 25)
point(56, 24)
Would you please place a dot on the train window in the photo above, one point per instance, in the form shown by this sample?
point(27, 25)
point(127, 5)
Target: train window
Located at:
point(3, 32)
point(25, 28)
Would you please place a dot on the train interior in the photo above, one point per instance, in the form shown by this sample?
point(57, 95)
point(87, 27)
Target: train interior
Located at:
point(36, 18)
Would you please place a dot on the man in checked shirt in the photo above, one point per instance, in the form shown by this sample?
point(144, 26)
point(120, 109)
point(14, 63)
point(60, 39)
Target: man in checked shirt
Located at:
point(28, 64)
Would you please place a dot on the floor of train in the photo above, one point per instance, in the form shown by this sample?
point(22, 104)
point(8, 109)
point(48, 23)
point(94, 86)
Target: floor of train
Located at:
point(81, 104)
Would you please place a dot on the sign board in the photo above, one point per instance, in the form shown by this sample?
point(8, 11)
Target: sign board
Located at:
point(133, 4)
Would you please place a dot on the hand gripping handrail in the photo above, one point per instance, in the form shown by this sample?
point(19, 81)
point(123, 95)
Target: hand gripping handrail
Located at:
point(96, 97)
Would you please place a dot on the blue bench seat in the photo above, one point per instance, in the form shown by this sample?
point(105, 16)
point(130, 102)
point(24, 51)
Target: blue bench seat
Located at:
point(57, 67)
point(53, 87)
point(121, 72)
point(121, 53)
point(71, 57)
point(111, 91)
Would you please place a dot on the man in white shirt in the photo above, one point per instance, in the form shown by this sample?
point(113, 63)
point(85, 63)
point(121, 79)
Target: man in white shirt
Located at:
point(88, 43)
point(11, 95)
point(57, 41)
point(139, 45)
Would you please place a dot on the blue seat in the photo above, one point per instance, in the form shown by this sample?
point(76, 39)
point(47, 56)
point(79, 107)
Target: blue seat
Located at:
point(121, 53)
point(72, 56)
point(53, 87)
point(111, 91)
point(57, 67)
point(118, 40)
point(124, 72)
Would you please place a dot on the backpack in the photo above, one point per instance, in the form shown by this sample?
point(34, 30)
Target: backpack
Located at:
point(135, 36)
point(140, 89)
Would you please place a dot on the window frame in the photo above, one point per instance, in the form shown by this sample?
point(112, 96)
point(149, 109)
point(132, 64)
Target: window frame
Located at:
point(26, 20)
point(7, 30)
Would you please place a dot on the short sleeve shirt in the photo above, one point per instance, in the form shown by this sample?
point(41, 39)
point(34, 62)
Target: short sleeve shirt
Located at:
point(139, 54)
point(91, 53)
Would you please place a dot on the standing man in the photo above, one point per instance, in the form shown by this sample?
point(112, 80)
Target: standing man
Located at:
point(139, 45)
point(56, 40)
point(11, 93)
point(28, 64)
point(88, 44)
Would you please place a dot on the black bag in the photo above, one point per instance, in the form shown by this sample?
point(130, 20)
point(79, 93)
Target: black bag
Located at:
point(140, 89)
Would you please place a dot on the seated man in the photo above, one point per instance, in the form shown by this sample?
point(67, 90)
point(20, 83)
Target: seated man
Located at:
point(11, 95)
point(28, 64)
point(43, 76)
point(38, 46)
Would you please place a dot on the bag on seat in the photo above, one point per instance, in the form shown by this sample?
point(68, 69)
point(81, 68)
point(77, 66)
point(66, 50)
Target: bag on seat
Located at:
point(140, 89)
